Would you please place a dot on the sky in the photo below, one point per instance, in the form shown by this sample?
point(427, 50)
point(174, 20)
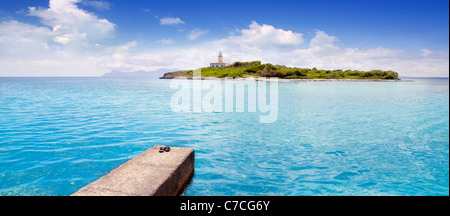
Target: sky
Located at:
point(84, 38)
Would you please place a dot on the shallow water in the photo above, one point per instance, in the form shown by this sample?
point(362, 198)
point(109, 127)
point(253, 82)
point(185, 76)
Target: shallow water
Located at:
point(331, 138)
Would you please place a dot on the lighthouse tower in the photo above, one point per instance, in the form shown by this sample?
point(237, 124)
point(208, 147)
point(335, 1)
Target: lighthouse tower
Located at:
point(220, 63)
point(220, 57)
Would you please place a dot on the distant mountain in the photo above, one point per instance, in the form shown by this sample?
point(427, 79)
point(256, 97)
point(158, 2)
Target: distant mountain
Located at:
point(137, 74)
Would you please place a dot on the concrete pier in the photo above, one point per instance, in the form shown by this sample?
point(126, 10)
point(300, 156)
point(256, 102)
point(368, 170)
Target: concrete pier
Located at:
point(150, 174)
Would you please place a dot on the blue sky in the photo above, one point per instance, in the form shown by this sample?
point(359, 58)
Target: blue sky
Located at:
point(136, 34)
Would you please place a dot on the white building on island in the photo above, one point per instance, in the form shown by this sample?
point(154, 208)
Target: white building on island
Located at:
point(220, 63)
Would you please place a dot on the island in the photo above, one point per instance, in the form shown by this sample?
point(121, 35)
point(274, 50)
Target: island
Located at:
point(256, 69)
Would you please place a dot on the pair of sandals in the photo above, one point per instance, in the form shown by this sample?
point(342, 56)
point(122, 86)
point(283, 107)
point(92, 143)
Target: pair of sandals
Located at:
point(164, 149)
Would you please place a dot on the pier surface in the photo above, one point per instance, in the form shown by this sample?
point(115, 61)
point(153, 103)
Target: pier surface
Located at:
point(150, 174)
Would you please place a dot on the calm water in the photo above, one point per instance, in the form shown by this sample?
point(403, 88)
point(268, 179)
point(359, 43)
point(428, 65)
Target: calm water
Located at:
point(331, 138)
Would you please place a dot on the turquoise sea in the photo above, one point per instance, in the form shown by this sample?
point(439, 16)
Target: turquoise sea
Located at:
point(331, 138)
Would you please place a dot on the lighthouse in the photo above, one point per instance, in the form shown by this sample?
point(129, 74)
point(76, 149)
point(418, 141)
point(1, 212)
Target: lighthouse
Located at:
point(220, 56)
point(220, 62)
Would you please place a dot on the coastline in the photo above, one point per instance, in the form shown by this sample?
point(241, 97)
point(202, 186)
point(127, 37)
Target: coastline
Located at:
point(292, 80)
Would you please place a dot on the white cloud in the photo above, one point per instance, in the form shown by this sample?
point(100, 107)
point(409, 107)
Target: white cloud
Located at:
point(69, 35)
point(427, 52)
point(166, 41)
point(65, 17)
point(74, 42)
point(323, 43)
point(23, 40)
point(265, 36)
point(196, 34)
point(278, 46)
point(187, 58)
point(171, 21)
point(65, 39)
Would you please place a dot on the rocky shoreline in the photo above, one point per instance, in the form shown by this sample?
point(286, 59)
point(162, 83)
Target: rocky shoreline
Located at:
point(176, 74)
